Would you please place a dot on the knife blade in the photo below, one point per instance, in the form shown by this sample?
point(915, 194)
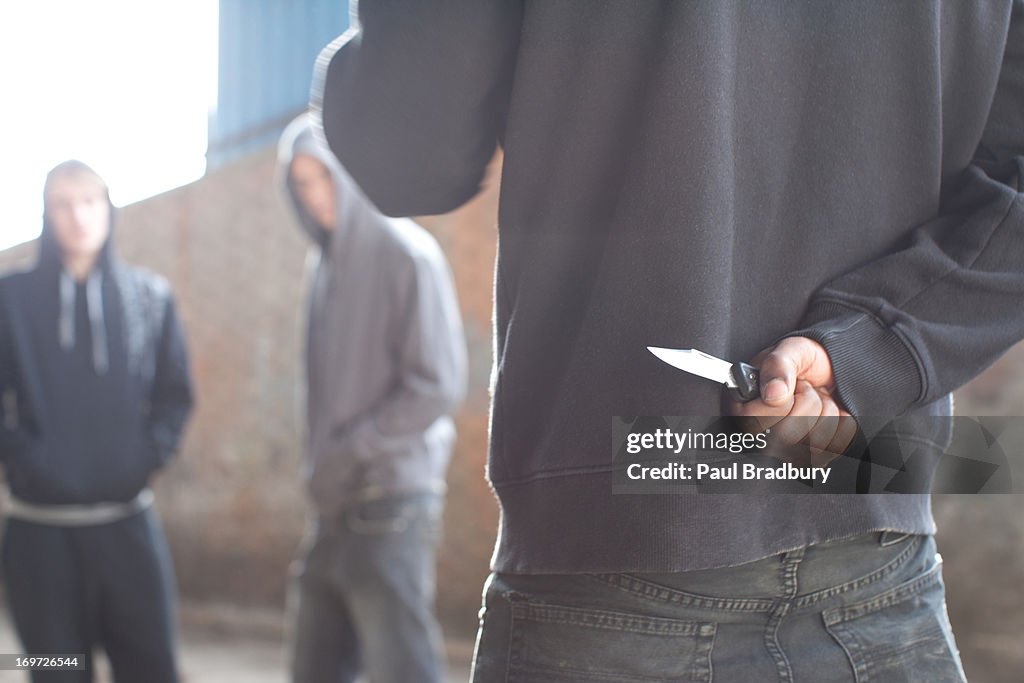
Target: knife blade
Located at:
point(741, 378)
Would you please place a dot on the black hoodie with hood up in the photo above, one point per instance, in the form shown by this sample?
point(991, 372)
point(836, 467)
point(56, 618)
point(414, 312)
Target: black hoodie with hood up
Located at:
point(94, 379)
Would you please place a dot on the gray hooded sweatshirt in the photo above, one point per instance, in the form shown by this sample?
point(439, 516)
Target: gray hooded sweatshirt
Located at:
point(385, 354)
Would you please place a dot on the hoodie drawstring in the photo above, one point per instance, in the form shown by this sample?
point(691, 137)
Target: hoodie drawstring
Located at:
point(67, 312)
point(97, 323)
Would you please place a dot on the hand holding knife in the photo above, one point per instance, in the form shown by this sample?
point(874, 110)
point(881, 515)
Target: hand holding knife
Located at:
point(741, 378)
point(804, 411)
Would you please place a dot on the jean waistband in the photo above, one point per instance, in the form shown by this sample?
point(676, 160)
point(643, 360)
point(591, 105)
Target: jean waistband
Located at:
point(88, 514)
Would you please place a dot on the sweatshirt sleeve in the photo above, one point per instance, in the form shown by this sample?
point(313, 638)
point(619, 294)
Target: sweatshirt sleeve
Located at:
point(431, 356)
point(412, 99)
point(171, 399)
point(908, 328)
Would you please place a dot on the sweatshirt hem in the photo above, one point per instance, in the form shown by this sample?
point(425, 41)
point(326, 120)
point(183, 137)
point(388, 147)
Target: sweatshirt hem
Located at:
point(575, 525)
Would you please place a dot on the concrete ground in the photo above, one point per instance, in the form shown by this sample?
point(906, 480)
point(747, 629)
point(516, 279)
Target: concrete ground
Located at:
point(208, 655)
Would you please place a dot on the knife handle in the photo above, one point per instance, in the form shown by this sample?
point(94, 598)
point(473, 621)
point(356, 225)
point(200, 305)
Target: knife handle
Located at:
point(748, 385)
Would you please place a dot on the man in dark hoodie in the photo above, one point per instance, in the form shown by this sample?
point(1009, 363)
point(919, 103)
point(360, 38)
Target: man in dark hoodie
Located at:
point(96, 392)
point(386, 367)
point(714, 175)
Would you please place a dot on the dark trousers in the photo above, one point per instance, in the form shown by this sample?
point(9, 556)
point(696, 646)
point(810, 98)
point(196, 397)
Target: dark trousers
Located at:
point(71, 589)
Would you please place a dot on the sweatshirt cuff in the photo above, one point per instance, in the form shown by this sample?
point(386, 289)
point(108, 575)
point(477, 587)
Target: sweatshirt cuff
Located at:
point(876, 372)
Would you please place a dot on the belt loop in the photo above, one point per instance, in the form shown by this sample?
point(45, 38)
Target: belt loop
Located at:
point(790, 567)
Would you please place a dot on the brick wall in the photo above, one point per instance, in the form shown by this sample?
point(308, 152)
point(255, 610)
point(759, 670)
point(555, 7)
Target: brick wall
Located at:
point(232, 504)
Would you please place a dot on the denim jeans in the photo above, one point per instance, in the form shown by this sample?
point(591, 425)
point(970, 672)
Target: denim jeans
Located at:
point(362, 597)
point(870, 608)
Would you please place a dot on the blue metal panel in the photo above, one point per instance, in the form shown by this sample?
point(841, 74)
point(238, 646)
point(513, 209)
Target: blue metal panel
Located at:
point(266, 55)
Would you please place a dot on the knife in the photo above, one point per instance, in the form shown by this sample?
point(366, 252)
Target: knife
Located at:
point(741, 378)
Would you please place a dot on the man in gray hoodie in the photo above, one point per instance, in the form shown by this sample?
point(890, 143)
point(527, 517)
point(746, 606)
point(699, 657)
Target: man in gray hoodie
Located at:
point(386, 367)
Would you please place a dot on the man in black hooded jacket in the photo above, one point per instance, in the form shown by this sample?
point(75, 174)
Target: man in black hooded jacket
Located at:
point(96, 392)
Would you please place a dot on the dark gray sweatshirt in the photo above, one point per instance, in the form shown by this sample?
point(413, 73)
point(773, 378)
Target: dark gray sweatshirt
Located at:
point(385, 355)
point(712, 175)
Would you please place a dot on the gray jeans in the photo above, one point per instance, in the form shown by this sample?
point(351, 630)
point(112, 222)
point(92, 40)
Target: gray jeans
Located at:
point(362, 597)
point(871, 608)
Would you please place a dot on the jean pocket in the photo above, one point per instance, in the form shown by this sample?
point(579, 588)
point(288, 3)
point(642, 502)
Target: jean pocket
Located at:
point(558, 644)
point(902, 635)
point(888, 538)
